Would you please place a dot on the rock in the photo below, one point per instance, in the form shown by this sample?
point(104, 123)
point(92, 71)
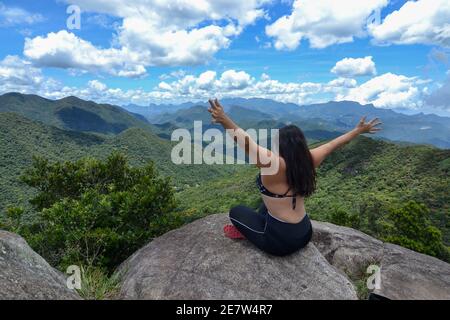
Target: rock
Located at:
point(26, 275)
point(351, 251)
point(405, 274)
point(198, 262)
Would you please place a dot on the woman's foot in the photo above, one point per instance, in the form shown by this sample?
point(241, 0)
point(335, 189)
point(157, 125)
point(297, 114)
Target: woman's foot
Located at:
point(232, 232)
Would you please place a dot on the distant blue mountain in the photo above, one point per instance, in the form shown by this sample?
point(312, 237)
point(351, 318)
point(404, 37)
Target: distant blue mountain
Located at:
point(332, 117)
point(154, 110)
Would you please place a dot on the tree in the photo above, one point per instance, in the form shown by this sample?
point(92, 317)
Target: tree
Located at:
point(93, 212)
point(343, 218)
point(410, 227)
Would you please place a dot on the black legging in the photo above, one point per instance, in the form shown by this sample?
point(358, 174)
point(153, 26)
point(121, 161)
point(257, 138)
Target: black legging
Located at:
point(270, 234)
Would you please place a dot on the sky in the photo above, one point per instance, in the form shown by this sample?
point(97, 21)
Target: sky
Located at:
point(390, 53)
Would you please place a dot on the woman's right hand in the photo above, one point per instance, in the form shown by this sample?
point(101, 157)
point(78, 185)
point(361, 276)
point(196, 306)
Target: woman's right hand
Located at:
point(217, 113)
point(368, 127)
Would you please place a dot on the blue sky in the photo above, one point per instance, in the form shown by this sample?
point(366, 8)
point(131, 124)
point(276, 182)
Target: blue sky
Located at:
point(394, 54)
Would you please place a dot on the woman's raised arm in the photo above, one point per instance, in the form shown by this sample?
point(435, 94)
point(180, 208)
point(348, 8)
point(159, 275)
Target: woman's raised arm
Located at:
point(320, 153)
point(262, 157)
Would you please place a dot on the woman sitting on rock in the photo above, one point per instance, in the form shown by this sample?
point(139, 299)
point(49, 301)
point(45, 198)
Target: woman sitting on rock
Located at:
point(287, 175)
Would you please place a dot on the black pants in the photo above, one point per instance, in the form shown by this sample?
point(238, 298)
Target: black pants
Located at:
point(270, 234)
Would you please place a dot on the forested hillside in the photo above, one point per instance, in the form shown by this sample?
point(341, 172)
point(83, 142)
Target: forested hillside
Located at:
point(22, 138)
point(72, 113)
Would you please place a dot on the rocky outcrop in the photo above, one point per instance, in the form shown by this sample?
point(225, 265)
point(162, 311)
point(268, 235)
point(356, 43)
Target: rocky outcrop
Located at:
point(405, 274)
point(26, 275)
point(198, 262)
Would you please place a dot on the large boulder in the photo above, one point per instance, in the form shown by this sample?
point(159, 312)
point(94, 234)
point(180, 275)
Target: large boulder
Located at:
point(351, 251)
point(198, 262)
point(405, 274)
point(26, 275)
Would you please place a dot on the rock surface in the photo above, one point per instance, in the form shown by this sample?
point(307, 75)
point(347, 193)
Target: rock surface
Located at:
point(26, 275)
point(198, 262)
point(405, 274)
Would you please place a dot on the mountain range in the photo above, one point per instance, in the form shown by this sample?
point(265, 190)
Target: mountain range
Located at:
point(72, 113)
point(334, 117)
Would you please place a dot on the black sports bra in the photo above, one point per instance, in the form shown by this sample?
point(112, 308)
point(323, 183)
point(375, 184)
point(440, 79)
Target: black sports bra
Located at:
point(266, 192)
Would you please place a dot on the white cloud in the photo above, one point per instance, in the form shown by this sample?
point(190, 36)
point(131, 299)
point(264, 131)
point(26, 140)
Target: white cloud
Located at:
point(265, 77)
point(343, 83)
point(208, 84)
point(174, 74)
point(232, 83)
point(350, 67)
point(97, 85)
point(387, 91)
point(323, 23)
point(206, 80)
point(65, 50)
point(177, 13)
point(416, 22)
point(13, 16)
point(19, 75)
point(152, 33)
point(173, 48)
point(440, 98)
point(232, 80)
point(103, 21)
point(339, 86)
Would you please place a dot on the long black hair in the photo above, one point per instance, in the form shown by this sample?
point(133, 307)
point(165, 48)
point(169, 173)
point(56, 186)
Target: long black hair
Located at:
point(300, 171)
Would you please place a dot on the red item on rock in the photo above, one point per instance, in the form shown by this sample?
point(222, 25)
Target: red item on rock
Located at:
point(232, 232)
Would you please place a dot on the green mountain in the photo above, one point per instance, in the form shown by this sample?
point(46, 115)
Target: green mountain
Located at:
point(72, 113)
point(314, 129)
point(366, 175)
point(332, 117)
point(185, 117)
point(22, 138)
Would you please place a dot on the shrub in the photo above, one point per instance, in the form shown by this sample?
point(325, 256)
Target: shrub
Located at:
point(93, 213)
point(410, 227)
point(97, 285)
point(341, 217)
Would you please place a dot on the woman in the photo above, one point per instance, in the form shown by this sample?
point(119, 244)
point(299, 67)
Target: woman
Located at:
point(282, 226)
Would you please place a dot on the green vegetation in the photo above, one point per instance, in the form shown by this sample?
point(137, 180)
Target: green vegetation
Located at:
point(22, 138)
point(359, 279)
point(370, 178)
point(72, 113)
point(97, 285)
point(92, 213)
point(411, 228)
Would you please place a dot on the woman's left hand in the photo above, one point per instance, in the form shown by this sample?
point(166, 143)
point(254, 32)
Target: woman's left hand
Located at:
point(368, 127)
point(217, 112)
